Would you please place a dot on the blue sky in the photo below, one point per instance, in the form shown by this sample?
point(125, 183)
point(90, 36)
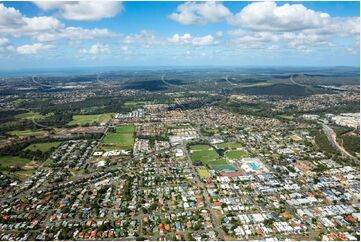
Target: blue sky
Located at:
point(61, 34)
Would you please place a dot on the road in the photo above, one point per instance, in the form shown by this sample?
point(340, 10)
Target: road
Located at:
point(331, 136)
point(296, 83)
point(217, 226)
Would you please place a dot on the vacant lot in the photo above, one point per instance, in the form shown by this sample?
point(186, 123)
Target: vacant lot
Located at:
point(90, 119)
point(27, 132)
point(203, 173)
point(43, 147)
point(6, 162)
point(121, 138)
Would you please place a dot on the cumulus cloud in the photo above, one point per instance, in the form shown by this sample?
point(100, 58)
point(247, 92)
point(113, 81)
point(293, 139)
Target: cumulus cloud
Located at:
point(268, 17)
point(288, 17)
point(96, 49)
point(188, 39)
point(83, 10)
point(33, 48)
point(200, 13)
point(265, 24)
point(14, 23)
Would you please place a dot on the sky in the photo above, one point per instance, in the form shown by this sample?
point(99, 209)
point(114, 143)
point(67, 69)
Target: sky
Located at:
point(56, 34)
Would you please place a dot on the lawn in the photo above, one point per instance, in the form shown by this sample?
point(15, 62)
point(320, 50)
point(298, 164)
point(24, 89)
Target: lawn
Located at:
point(33, 115)
point(229, 145)
point(235, 154)
point(122, 138)
point(27, 132)
point(91, 118)
point(43, 147)
point(8, 161)
point(203, 173)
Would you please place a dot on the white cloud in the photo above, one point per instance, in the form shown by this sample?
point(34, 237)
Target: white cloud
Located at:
point(4, 41)
point(269, 40)
point(288, 17)
point(96, 49)
point(263, 24)
point(5, 46)
point(14, 23)
point(200, 13)
point(10, 17)
point(44, 28)
point(74, 34)
point(33, 48)
point(188, 39)
point(83, 10)
point(144, 38)
point(124, 48)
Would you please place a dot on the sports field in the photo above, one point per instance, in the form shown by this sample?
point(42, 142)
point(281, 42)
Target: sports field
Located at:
point(208, 156)
point(235, 154)
point(221, 164)
point(230, 145)
point(203, 153)
point(91, 118)
point(27, 132)
point(122, 138)
point(43, 147)
point(223, 167)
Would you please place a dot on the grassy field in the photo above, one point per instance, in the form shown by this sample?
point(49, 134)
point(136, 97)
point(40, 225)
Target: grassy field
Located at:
point(27, 132)
point(136, 104)
point(203, 173)
point(208, 156)
point(235, 154)
point(8, 161)
point(24, 174)
point(203, 153)
point(43, 147)
point(33, 115)
point(122, 138)
point(209, 131)
point(90, 118)
point(221, 164)
point(230, 145)
point(287, 117)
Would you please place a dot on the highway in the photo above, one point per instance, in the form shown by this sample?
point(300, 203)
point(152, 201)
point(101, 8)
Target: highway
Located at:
point(331, 136)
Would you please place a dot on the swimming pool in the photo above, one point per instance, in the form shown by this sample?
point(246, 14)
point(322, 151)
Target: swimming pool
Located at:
point(254, 166)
